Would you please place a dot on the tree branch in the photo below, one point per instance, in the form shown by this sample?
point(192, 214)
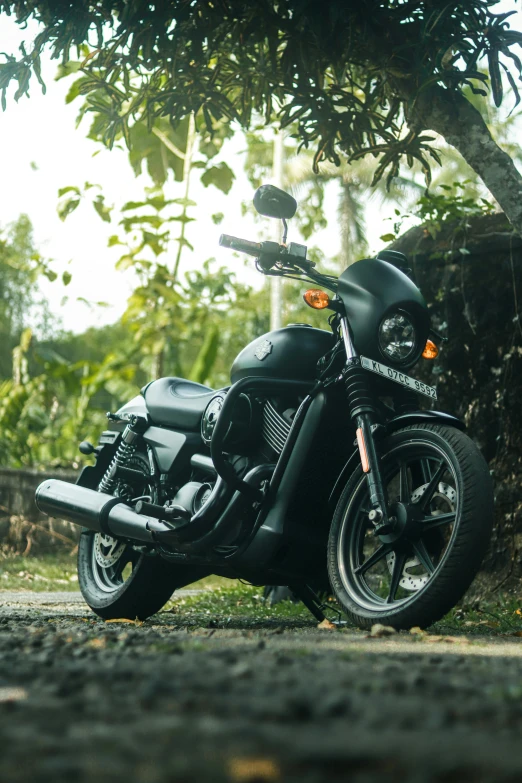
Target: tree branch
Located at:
point(456, 119)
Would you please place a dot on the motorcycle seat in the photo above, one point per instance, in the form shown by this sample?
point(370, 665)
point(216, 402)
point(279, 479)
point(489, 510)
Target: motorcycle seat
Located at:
point(176, 402)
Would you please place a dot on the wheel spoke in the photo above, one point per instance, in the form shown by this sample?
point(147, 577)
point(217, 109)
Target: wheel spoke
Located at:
point(422, 554)
point(373, 559)
point(430, 523)
point(398, 568)
point(427, 496)
point(404, 490)
point(120, 565)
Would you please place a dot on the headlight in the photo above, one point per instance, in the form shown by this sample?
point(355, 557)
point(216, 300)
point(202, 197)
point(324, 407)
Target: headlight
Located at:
point(397, 338)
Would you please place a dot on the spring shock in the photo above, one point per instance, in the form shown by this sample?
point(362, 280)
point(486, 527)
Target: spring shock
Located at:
point(356, 384)
point(126, 449)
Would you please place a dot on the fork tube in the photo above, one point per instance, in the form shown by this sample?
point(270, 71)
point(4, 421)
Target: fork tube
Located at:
point(373, 474)
point(362, 412)
point(351, 353)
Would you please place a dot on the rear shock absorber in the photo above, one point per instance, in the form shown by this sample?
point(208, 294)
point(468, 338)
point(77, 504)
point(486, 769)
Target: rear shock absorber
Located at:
point(126, 449)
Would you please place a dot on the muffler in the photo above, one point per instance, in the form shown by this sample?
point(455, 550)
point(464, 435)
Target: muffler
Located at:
point(96, 511)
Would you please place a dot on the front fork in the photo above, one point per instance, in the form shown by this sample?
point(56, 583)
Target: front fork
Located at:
point(363, 414)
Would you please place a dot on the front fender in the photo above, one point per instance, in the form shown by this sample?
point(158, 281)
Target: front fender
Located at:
point(404, 420)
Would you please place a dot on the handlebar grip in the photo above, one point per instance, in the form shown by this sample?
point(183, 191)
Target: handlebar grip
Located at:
point(242, 245)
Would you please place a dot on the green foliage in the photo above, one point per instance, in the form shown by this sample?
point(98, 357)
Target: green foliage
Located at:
point(236, 600)
point(347, 74)
point(44, 416)
point(20, 267)
point(434, 210)
point(221, 176)
point(45, 573)
point(71, 196)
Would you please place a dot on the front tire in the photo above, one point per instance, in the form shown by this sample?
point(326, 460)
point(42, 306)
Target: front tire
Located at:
point(415, 578)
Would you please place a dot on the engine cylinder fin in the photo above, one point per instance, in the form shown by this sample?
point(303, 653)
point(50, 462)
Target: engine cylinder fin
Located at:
point(275, 429)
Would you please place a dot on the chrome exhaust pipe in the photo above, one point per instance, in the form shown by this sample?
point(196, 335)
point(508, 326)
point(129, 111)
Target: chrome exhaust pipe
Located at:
point(96, 511)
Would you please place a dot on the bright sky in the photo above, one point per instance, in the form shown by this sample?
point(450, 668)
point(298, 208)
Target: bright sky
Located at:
point(41, 131)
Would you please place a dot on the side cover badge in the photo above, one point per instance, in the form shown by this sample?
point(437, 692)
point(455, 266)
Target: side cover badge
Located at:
point(264, 349)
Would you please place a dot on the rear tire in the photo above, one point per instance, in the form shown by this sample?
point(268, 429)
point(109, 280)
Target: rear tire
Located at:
point(118, 581)
point(414, 582)
point(143, 593)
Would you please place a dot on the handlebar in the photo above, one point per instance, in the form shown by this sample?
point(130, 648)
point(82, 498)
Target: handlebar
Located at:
point(242, 245)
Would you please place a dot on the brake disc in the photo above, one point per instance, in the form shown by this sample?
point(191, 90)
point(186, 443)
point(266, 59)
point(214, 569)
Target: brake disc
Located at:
point(107, 550)
point(414, 581)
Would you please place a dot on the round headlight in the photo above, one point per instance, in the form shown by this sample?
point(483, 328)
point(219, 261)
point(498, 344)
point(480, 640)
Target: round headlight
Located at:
point(397, 337)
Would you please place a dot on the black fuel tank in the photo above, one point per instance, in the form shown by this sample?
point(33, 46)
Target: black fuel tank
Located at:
point(291, 352)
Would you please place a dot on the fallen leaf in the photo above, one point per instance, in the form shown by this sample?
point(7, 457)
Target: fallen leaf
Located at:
point(449, 639)
point(244, 770)
point(518, 611)
point(456, 639)
point(121, 620)
point(97, 644)
point(10, 694)
point(379, 630)
point(326, 625)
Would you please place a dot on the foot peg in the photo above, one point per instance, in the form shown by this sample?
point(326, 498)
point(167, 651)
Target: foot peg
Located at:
point(164, 513)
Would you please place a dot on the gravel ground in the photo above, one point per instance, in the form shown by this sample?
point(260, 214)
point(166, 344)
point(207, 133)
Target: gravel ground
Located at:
point(84, 700)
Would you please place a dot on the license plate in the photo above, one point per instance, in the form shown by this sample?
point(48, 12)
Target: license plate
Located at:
point(399, 377)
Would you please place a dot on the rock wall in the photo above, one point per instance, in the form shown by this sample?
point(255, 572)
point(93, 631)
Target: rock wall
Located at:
point(22, 527)
point(471, 276)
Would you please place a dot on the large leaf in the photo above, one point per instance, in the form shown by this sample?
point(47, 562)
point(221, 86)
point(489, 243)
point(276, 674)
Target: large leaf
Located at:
point(221, 176)
point(149, 150)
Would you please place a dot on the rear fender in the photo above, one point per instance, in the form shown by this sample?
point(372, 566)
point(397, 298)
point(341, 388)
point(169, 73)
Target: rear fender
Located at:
point(397, 423)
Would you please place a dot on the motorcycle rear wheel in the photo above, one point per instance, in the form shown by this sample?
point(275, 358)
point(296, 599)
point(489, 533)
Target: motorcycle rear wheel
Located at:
point(118, 581)
point(415, 578)
point(135, 587)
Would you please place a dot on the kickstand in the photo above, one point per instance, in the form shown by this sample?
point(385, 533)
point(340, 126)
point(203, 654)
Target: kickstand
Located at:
point(310, 600)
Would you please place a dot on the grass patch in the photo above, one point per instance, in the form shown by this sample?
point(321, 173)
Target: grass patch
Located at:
point(223, 604)
point(500, 616)
point(47, 573)
point(227, 601)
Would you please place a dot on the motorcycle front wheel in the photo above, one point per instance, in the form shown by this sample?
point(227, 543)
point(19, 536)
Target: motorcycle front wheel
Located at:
point(441, 494)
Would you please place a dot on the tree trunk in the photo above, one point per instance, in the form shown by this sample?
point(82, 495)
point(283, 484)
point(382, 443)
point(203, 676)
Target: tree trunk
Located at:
point(462, 126)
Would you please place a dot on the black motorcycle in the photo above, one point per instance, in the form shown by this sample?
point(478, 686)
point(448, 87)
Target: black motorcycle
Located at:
point(314, 469)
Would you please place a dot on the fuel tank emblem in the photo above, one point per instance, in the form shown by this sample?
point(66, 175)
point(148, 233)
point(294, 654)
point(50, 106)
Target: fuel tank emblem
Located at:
point(264, 349)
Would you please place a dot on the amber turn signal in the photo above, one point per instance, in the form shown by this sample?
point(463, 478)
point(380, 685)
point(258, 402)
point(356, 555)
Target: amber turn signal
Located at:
point(430, 350)
point(316, 298)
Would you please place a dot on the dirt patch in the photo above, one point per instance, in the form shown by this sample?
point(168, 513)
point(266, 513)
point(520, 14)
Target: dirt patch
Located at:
point(85, 700)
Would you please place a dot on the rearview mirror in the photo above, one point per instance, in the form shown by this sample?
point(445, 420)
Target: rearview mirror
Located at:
point(273, 202)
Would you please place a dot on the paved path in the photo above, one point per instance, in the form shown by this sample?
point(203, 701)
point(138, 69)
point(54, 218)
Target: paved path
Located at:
point(69, 603)
point(172, 699)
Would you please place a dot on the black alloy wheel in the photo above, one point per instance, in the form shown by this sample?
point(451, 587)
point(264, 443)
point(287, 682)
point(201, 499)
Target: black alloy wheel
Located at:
point(116, 580)
point(441, 502)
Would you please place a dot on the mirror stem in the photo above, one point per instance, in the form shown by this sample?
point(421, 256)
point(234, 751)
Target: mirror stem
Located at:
point(285, 230)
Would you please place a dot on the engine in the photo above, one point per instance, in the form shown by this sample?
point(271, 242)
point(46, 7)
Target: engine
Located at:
point(259, 428)
point(257, 434)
